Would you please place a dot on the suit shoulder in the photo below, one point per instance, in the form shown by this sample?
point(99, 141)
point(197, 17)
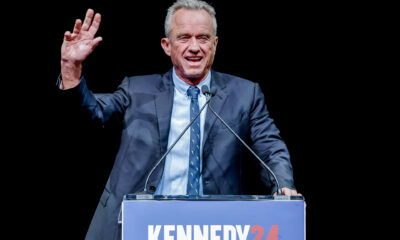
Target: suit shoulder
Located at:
point(229, 78)
point(146, 83)
point(236, 83)
point(140, 79)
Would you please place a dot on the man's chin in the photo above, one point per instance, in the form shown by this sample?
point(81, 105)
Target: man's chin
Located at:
point(194, 75)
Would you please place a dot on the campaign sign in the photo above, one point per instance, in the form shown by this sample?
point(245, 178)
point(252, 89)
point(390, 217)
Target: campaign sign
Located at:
point(213, 219)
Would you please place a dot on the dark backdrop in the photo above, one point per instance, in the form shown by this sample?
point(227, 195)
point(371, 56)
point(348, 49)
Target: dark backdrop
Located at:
point(306, 58)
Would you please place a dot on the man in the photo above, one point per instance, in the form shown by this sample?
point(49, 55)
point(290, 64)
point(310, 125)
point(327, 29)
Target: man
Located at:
point(154, 110)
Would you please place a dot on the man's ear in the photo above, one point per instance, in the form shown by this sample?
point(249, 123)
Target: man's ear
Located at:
point(165, 44)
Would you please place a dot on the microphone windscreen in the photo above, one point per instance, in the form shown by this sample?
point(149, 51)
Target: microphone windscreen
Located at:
point(204, 89)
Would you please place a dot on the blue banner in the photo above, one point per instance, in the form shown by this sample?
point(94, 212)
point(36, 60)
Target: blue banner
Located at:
point(213, 220)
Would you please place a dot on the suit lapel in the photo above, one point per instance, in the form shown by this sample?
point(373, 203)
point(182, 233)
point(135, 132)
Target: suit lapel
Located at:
point(163, 102)
point(216, 103)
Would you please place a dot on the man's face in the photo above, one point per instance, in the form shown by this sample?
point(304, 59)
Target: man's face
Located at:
point(192, 44)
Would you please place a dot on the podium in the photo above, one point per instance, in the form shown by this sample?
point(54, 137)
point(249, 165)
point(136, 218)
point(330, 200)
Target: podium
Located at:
point(213, 217)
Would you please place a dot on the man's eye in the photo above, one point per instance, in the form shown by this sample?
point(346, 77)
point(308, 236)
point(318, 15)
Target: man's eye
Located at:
point(183, 38)
point(203, 39)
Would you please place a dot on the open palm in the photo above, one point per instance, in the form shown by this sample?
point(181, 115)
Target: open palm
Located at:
point(81, 42)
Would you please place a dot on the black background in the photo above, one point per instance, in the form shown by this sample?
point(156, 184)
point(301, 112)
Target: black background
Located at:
point(309, 60)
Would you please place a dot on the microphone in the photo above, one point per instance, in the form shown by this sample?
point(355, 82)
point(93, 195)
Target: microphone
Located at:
point(209, 94)
point(177, 140)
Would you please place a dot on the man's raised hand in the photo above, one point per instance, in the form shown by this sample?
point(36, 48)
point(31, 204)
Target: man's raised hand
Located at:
point(77, 46)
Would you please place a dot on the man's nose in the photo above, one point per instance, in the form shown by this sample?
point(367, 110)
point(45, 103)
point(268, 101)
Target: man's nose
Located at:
point(194, 45)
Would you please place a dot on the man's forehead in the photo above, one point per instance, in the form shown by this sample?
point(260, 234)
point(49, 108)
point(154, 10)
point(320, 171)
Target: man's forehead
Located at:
point(192, 18)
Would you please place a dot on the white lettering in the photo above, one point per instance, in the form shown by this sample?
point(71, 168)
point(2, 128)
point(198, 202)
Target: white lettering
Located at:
point(153, 234)
point(181, 234)
point(167, 229)
point(198, 235)
point(213, 232)
point(198, 232)
point(242, 234)
point(229, 232)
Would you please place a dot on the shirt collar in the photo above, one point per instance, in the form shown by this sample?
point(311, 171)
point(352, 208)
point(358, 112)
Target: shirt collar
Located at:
point(182, 87)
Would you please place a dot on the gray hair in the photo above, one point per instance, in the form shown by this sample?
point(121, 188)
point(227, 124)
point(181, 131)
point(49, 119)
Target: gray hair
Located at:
point(192, 5)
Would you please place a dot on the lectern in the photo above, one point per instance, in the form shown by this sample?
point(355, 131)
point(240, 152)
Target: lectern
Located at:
point(212, 217)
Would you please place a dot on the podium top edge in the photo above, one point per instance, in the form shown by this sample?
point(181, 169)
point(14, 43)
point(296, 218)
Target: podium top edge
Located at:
point(211, 197)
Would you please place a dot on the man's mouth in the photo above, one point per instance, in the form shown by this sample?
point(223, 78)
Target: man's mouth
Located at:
point(194, 59)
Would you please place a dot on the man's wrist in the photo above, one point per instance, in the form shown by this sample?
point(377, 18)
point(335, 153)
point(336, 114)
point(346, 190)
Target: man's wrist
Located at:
point(71, 74)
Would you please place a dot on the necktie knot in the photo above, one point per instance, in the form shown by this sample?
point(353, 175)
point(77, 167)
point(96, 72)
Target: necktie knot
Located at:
point(193, 92)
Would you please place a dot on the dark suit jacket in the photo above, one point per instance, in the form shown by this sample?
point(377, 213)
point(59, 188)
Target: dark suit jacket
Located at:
point(143, 106)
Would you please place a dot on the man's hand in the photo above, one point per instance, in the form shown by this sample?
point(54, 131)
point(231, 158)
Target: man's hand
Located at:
point(77, 46)
point(289, 192)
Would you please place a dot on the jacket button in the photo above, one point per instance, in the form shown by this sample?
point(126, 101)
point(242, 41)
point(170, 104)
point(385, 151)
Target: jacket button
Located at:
point(152, 188)
point(206, 182)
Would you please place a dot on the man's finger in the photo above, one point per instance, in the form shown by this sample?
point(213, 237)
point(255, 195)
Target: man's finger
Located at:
point(285, 191)
point(88, 19)
point(95, 24)
point(67, 35)
point(78, 26)
point(289, 192)
point(96, 42)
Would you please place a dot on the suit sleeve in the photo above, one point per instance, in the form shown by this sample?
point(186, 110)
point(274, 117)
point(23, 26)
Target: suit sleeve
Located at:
point(99, 108)
point(268, 144)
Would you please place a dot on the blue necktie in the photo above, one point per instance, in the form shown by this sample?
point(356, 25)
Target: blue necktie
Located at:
point(194, 155)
